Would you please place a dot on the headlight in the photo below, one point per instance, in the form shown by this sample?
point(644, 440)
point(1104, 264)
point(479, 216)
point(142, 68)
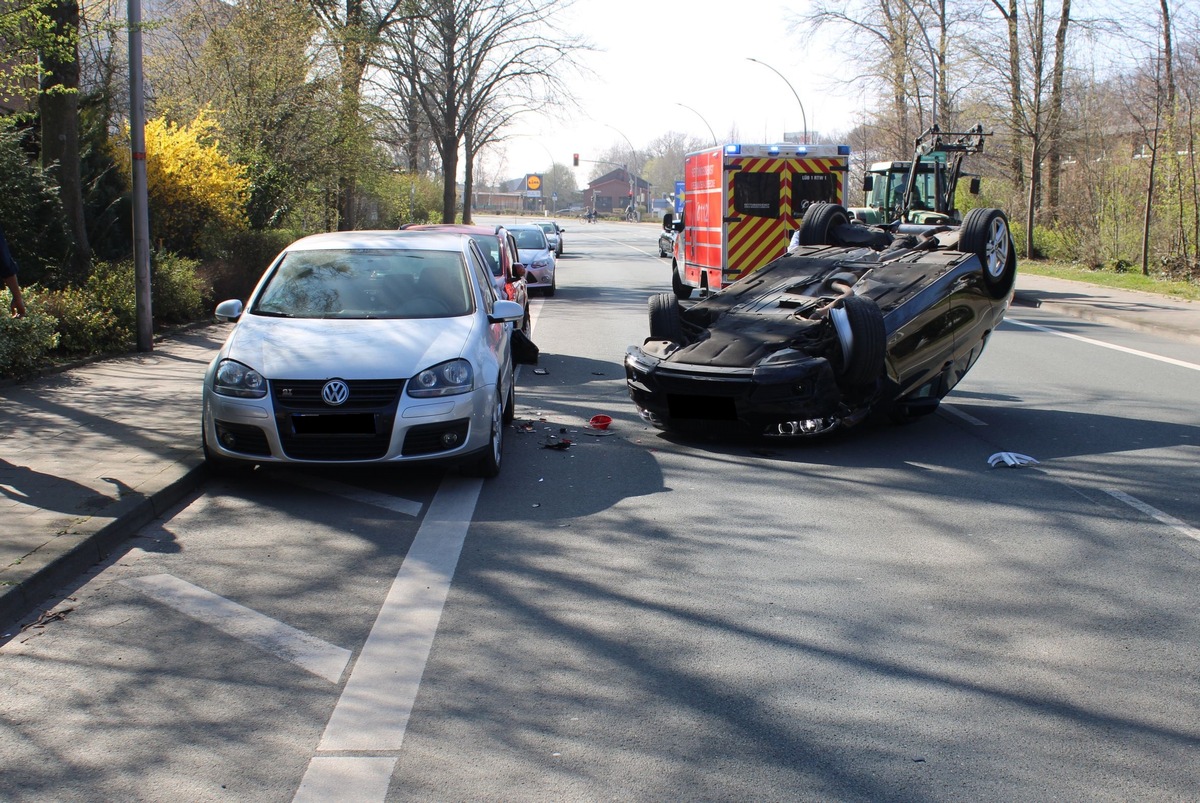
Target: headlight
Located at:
point(235, 379)
point(447, 379)
point(541, 262)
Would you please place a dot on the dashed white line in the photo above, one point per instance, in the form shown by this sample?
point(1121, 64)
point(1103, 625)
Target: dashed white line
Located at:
point(1155, 513)
point(309, 652)
point(357, 778)
point(1102, 344)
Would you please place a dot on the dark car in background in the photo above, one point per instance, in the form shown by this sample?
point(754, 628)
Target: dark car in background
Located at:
point(855, 320)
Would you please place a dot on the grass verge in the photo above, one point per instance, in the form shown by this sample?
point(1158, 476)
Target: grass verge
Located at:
point(1110, 278)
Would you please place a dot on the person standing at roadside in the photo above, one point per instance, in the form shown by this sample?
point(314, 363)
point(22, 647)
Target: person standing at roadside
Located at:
point(8, 275)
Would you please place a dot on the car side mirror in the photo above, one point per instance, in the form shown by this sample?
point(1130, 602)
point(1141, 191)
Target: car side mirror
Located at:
point(518, 270)
point(868, 183)
point(228, 311)
point(973, 187)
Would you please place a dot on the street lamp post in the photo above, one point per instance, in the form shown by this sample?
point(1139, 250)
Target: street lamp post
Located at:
point(803, 116)
point(701, 116)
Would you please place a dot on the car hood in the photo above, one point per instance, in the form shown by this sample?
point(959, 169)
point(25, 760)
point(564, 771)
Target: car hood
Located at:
point(528, 255)
point(281, 348)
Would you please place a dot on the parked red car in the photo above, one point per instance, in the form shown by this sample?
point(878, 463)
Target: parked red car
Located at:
point(500, 250)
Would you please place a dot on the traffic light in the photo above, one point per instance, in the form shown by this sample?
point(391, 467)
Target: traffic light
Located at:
point(575, 159)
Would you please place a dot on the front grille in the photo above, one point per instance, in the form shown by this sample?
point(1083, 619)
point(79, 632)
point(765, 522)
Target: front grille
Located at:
point(427, 438)
point(305, 394)
point(359, 429)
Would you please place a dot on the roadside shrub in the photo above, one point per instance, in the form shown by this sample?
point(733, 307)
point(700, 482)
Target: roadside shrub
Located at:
point(32, 215)
point(83, 327)
point(25, 342)
point(178, 294)
point(235, 262)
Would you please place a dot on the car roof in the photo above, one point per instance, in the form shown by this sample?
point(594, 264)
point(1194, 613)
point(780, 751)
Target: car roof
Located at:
point(460, 228)
point(417, 240)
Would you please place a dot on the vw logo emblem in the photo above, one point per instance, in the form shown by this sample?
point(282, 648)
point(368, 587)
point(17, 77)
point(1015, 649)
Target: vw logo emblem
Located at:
point(335, 392)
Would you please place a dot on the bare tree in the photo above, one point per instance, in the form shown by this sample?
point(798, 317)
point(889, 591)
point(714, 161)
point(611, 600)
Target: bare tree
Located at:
point(472, 66)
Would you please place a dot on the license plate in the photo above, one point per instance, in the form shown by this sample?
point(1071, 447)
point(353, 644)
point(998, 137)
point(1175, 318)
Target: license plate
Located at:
point(345, 424)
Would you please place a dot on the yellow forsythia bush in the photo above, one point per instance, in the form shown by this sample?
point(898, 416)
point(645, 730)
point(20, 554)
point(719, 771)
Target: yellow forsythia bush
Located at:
point(191, 184)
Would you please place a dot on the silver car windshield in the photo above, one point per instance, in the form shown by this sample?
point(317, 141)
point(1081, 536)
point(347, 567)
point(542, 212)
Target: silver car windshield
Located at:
point(367, 284)
point(530, 238)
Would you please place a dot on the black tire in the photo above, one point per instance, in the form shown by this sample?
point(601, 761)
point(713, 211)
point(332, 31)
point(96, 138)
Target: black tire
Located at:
point(487, 465)
point(867, 345)
point(819, 222)
point(548, 292)
point(985, 233)
point(510, 404)
point(666, 321)
point(682, 291)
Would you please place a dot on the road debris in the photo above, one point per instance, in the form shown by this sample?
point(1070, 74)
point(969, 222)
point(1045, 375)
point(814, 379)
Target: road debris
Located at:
point(1012, 459)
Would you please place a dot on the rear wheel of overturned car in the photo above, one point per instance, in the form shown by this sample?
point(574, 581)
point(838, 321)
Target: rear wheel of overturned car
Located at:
point(858, 322)
point(666, 319)
point(682, 291)
point(985, 234)
point(819, 222)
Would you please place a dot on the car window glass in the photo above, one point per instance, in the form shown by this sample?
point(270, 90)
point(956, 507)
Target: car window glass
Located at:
point(530, 238)
point(366, 283)
point(482, 277)
point(489, 246)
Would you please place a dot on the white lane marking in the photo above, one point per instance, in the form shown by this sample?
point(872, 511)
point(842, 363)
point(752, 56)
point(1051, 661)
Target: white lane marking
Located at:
point(1102, 344)
point(950, 409)
point(372, 712)
point(345, 778)
point(310, 653)
point(395, 504)
point(1155, 513)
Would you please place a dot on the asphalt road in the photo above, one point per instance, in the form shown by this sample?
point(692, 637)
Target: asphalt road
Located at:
point(879, 616)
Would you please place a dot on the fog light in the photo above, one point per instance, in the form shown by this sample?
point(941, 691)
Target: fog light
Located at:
point(449, 439)
point(228, 440)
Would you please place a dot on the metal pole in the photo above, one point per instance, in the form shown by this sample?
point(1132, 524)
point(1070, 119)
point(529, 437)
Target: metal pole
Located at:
point(141, 210)
point(701, 116)
point(803, 116)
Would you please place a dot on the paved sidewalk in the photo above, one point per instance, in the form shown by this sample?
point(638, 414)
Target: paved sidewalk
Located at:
point(90, 455)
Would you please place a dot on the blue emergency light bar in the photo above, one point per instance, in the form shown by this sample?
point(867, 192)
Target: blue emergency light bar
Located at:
point(733, 150)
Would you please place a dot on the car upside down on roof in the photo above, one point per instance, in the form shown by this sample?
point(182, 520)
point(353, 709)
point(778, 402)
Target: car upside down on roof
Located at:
point(855, 320)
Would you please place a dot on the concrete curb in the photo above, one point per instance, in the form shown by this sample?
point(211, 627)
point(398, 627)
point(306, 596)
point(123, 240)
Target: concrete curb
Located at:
point(47, 570)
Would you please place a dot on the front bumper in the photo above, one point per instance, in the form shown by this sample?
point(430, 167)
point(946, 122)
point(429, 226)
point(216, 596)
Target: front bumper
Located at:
point(770, 400)
point(290, 425)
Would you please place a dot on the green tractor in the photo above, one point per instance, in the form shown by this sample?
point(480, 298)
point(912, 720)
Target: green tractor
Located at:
point(920, 191)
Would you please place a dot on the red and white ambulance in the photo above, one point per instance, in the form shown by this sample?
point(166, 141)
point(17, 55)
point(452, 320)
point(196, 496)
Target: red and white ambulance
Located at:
point(741, 204)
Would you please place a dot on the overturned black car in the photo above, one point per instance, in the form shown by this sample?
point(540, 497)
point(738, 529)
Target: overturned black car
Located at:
point(857, 320)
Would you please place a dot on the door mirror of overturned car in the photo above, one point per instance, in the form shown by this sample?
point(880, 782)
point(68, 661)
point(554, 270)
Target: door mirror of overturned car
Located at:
point(973, 187)
point(228, 311)
point(506, 312)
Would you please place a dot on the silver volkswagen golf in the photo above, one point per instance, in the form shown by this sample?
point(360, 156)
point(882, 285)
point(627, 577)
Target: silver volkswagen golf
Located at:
point(365, 347)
